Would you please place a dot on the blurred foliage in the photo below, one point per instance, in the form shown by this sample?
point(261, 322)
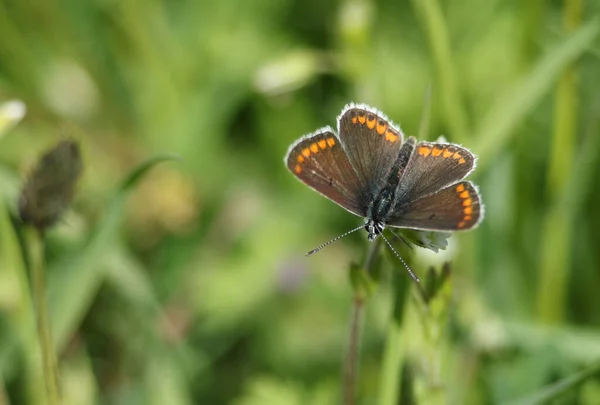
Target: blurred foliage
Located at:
point(189, 285)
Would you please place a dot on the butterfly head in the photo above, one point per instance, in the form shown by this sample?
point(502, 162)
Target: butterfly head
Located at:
point(374, 228)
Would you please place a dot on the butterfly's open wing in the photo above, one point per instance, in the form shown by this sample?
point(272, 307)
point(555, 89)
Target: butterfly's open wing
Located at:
point(432, 167)
point(320, 162)
point(371, 143)
point(428, 195)
point(457, 207)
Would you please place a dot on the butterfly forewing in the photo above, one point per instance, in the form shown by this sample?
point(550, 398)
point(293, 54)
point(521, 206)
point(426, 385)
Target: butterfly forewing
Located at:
point(371, 143)
point(320, 162)
point(456, 207)
point(432, 167)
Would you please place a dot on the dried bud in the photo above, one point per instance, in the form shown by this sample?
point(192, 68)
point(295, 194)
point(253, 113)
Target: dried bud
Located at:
point(50, 188)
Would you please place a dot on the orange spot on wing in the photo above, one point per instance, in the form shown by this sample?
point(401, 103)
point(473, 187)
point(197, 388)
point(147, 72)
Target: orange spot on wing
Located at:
point(460, 188)
point(322, 144)
point(298, 169)
point(467, 218)
point(461, 161)
point(424, 150)
point(468, 210)
point(362, 118)
point(456, 155)
point(467, 202)
point(306, 152)
point(354, 120)
point(300, 159)
point(390, 136)
point(462, 224)
point(436, 152)
point(314, 148)
point(464, 194)
point(381, 127)
point(447, 153)
point(370, 122)
point(330, 142)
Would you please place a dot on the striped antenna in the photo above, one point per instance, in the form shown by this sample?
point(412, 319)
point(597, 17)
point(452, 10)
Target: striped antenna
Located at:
point(312, 252)
point(414, 277)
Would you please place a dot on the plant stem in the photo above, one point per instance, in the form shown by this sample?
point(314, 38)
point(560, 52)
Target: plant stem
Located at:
point(434, 24)
point(555, 253)
point(350, 372)
point(391, 370)
point(393, 354)
point(532, 18)
point(351, 362)
point(36, 246)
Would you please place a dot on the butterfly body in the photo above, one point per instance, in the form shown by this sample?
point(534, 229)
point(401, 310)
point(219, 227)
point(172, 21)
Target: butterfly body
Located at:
point(384, 202)
point(368, 169)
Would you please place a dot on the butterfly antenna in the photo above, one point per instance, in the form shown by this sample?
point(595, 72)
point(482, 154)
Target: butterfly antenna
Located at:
point(402, 238)
point(312, 252)
point(414, 277)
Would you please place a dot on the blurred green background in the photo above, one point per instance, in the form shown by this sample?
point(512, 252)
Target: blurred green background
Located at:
point(189, 285)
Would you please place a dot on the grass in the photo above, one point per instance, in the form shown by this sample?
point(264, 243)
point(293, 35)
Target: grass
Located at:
point(49, 364)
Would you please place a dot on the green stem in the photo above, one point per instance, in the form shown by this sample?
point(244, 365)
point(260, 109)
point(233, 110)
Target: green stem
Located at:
point(350, 372)
point(391, 371)
point(555, 253)
point(532, 18)
point(351, 363)
point(434, 24)
point(393, 355)
point(36, 246)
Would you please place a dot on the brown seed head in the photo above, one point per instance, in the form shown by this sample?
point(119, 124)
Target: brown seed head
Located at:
point(50, 188)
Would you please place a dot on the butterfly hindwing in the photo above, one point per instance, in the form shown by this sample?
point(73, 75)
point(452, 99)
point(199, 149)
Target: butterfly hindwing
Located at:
point(457, 207)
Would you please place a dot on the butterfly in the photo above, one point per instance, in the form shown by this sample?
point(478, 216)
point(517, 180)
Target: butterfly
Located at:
point(369, 169)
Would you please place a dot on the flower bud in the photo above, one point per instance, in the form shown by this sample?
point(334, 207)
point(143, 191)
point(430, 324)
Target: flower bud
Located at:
point(50, 188)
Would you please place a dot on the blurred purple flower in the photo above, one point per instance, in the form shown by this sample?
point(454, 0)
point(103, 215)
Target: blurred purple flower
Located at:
point(292, 275)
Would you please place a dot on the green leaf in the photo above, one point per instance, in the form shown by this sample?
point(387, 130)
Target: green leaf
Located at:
point(16, 304)
point(9, 185)
point(556, 390)
point(137, 173)
point(268, 390)
point(165, 383)
point(363, 284)
point(431, 240)
point(73, 282)
point(510, 109)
